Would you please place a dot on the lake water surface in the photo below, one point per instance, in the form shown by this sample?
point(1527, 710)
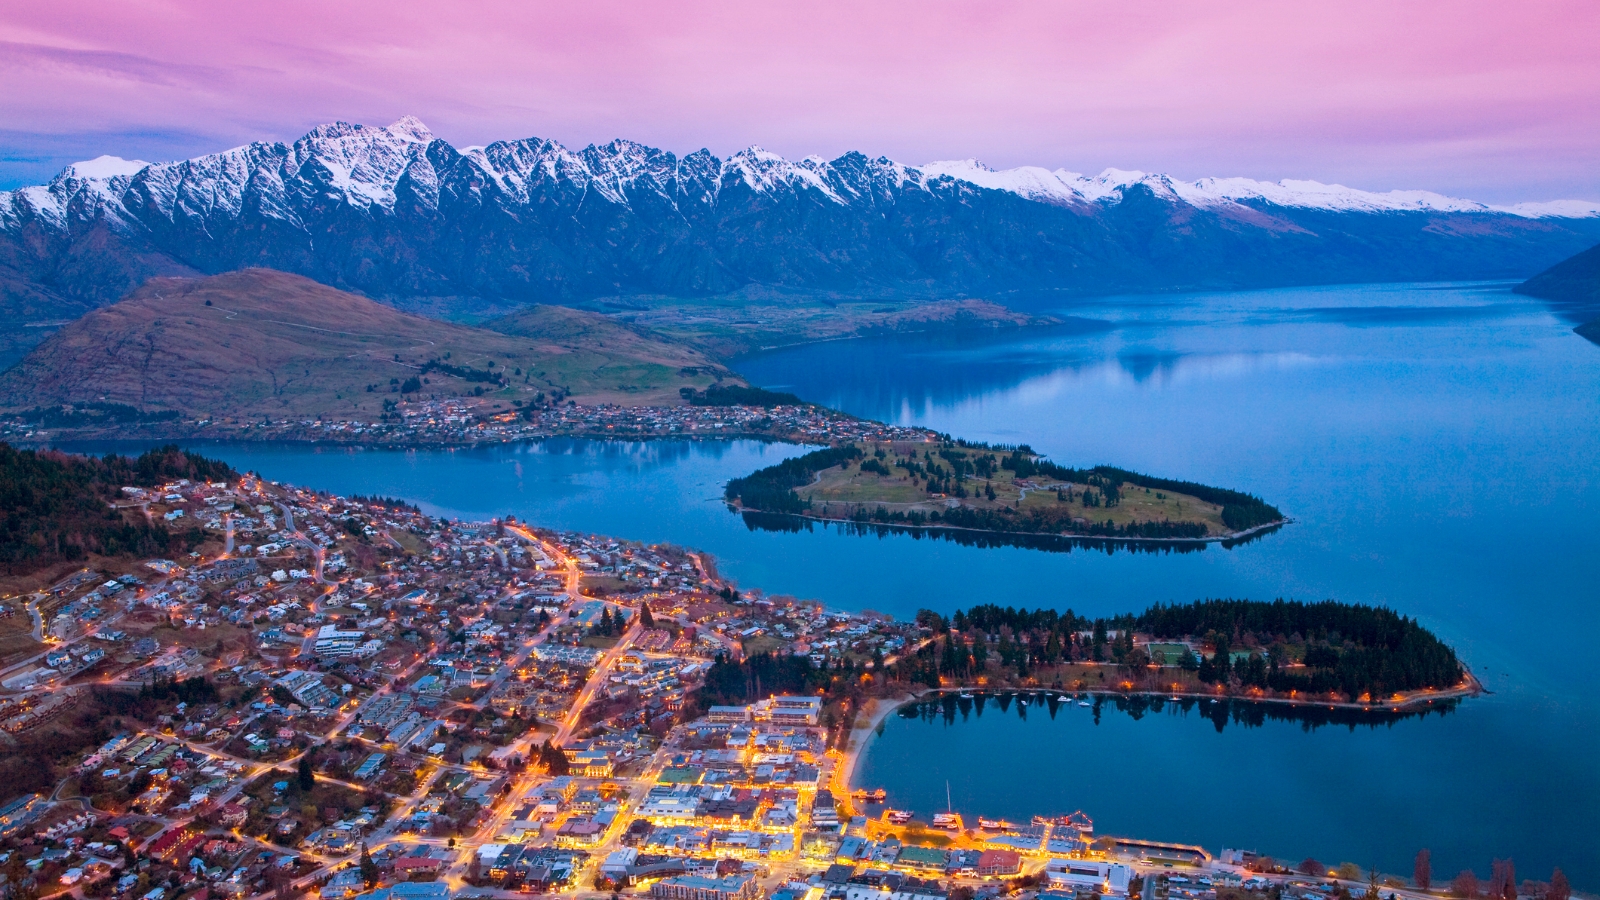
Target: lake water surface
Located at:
point(1437, 446)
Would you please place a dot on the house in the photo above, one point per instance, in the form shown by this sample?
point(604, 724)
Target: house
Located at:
point(344, 883)
point(231, 815)
point(409, 867)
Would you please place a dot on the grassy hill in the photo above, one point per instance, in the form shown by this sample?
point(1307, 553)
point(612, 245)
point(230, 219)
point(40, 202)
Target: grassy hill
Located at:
point(258, 342)
point(584, 332)
point(741, 323)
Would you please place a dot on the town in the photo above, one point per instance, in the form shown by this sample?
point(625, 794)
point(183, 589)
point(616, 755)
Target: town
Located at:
point(476, 420)
point(345, 697)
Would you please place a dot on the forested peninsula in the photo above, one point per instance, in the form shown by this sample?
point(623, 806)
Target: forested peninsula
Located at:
point(1324, 653)
point(1009, 490)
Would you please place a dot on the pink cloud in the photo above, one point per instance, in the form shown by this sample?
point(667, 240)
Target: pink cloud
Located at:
point(1492, 99)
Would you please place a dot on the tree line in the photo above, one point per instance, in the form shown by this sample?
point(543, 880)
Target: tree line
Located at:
point(772, 489)
point(739, 395)
point(78, 415)
point(1040, 520)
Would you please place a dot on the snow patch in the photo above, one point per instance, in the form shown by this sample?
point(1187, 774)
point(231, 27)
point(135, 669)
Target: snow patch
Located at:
point(105, 167)
point(1553, 209)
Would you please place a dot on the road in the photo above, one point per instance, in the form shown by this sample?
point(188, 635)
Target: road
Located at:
point(597, 680)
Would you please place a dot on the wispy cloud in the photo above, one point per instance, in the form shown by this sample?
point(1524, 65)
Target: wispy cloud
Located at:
point(1481, 98)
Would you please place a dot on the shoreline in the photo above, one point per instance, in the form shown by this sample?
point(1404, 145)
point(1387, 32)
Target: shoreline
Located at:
point(861, 738)
point(442, 444)
point(1208, 539)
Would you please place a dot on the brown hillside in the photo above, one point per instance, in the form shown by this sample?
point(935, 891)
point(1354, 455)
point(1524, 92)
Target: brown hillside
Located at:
point(258, 342)
point(577, 328)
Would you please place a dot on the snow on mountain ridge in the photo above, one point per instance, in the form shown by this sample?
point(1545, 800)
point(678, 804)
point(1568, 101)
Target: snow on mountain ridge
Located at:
point(1552, 209)
point(1063, 186)
point(104, 167)
point(365, 167)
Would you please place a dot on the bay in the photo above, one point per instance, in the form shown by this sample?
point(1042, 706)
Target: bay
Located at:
point(1435, 444)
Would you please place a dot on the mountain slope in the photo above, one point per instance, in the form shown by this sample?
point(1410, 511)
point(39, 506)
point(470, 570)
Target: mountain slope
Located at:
point(263, 343)
point(398, 214)
point(1575, 280)
point(578, 329)
point(1573, 286)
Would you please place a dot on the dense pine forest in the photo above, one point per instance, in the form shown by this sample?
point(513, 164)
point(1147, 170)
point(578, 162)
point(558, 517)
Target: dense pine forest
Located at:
point(1281, 646)
point(56, 507)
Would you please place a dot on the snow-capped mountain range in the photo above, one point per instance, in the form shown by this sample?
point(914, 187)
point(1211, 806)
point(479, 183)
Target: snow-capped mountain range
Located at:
point(1062, 186)
point(366, 165)
point(398, 214)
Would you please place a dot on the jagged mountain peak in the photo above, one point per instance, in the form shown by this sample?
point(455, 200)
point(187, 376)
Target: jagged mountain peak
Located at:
point(412, 127)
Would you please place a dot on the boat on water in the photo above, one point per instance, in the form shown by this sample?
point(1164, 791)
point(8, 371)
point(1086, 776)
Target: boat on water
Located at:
point(966, 696)
point(995, 824)
point(896, 816)
point(1083, 703)
point(877, 795)
point(947, 821)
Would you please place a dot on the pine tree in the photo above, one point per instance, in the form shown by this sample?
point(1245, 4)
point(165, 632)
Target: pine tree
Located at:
point(555, 761)
point(307, 777)
point(645, 617)
point(369, 869)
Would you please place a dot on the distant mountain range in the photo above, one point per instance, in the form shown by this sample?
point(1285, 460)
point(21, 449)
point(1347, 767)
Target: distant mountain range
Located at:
point(397, 214)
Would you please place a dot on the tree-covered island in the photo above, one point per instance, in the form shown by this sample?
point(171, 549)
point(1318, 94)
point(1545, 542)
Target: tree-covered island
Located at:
point(959, 485)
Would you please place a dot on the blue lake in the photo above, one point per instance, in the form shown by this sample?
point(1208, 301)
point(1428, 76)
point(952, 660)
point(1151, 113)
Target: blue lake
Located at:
point(1437, 446)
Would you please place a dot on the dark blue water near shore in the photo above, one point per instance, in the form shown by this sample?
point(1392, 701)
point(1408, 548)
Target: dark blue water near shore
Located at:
point(1437, 446)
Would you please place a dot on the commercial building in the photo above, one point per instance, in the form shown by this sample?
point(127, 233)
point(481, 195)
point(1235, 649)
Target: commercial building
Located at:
point(1105, 877)
point(794, 710)
point(999, 862)
point(698, 887)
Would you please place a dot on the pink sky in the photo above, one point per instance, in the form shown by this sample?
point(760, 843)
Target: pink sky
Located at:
point(1498, 101)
